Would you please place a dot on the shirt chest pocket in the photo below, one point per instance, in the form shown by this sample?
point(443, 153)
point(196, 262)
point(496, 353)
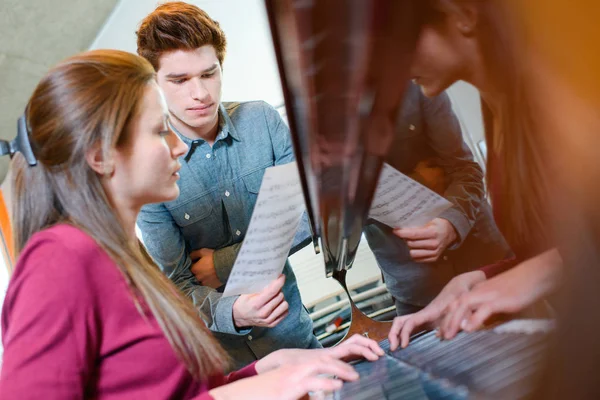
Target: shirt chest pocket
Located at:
point(199, 222)
point(253, 180)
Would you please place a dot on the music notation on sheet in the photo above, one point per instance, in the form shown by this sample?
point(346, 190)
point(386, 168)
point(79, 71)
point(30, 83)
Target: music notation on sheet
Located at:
point(401, 202)
point(272, 228)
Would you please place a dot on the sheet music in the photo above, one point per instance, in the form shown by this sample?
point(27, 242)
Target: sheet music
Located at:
point(401, 202)
point(272, 228)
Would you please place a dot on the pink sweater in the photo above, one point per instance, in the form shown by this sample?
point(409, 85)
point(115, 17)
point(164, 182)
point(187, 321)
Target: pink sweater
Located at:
point(71, 330)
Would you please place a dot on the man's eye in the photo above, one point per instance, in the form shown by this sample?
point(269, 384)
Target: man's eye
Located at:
point(179, 81)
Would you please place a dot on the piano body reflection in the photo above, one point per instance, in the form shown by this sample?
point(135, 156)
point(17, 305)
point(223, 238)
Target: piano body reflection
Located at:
point(343, 65)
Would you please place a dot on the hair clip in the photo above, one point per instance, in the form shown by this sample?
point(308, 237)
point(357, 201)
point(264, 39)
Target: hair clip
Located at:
point(19, 144)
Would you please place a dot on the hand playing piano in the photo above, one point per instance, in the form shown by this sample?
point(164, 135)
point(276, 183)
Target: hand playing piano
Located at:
point(352, 349)
point(471, 310)
point(431, 316)
point(292, 373)
point(355, 348)
point(291, 381)
point(508, 293)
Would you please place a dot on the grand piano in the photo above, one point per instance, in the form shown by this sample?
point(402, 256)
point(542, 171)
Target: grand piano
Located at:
point(344, 66)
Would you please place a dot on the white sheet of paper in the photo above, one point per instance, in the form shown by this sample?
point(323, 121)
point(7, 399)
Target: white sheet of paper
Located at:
point(401, 202)
point(277, 213)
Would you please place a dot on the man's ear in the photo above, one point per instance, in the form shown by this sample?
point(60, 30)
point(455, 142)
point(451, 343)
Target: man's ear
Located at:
point(96, 160)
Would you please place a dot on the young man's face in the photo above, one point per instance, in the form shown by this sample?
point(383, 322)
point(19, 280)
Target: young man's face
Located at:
point(191, 82)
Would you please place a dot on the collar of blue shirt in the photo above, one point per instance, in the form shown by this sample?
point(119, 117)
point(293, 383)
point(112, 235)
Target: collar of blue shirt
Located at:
point(226, 128)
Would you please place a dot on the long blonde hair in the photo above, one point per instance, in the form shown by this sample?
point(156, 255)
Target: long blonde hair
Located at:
point(85, 101)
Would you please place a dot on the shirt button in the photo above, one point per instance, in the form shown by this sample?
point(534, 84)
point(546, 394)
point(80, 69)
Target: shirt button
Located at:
point(238, 232)
point(186, 216)
point(208, 156)
point(227, 193)
point(249, 337)
point(412, 127)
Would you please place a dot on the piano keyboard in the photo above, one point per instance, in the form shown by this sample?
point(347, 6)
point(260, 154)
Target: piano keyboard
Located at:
point(493, 364)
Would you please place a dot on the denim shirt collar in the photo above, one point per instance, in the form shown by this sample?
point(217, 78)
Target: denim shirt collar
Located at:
point(224, 130)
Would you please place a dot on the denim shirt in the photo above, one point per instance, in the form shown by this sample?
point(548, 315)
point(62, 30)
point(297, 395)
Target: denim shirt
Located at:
point(218, 186)
point(427, 129)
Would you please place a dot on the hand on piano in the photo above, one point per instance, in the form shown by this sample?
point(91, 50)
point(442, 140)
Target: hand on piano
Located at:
point(293, 373)
point(508, 293)
point(289, 382)
point(431, 316)
point(356, 347)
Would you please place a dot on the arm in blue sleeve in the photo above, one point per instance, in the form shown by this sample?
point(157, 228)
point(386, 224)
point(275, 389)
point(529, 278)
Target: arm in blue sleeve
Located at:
point(164, 241)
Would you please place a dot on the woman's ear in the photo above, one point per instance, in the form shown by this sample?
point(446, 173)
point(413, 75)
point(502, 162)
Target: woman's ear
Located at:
point(466, 18)
point(96, 160)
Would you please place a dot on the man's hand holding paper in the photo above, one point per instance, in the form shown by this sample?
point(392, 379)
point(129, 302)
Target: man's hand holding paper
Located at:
point(266, 308)
point(411, 209)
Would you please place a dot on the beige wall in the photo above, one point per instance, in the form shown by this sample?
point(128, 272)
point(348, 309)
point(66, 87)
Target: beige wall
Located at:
point(36, 34)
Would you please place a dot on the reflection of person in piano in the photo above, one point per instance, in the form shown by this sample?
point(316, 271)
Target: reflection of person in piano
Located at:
point(567, 81)
point(418, 262)
point(470, 40)
point(195, 238)
point(87, 313)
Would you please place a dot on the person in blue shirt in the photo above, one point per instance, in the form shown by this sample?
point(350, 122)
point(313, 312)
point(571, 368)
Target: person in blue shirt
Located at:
point(417, 262)
point(196, 237)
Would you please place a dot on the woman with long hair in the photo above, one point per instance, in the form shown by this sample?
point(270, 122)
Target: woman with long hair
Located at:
point(567, 86)
point(475, 41)
point(87, 313)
